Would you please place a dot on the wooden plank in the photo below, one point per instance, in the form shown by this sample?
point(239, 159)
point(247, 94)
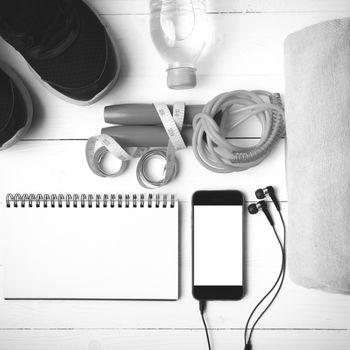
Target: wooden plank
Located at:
point(229, 6)
point(57, 119)
point(248, 59)
point(116, 339)
point(237, 44)
point(56, 166)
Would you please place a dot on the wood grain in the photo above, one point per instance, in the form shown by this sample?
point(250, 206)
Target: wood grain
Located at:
point(61, 167)
point(194, 339)
point(245, 51)
point(229, 6)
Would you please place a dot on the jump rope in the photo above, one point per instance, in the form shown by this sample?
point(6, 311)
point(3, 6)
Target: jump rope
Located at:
point(254, 208)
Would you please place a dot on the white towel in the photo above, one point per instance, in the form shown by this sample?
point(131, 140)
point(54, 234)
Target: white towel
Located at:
point(317, 69)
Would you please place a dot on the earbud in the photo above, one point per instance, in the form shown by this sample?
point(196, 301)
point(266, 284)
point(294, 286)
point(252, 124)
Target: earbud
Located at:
point(253, 208)
point(261, 193)
point(261, 205)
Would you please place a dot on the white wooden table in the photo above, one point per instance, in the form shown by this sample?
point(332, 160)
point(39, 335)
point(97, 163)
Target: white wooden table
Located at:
point(246, 52)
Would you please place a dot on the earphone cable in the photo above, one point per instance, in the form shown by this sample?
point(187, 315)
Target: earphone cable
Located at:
point(280, 279)
point(259, 303)
point(202, 307)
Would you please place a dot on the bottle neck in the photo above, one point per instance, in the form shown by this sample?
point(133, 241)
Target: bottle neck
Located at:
point(180, 78)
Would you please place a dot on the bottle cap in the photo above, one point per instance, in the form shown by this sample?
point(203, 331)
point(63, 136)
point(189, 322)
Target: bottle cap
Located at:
point(181, 78)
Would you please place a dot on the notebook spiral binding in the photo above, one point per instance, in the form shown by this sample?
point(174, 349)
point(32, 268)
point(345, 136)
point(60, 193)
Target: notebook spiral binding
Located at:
point(89, 200)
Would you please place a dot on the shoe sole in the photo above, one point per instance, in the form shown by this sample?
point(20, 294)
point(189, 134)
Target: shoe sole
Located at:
point(27, 101)
point(103, 92)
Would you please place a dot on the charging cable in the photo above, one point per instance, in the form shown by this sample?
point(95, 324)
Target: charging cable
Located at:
point(202, 307)
point(209, 142)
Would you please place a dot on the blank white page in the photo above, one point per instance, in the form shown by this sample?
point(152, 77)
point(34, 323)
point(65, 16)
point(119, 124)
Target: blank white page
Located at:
point(91, 253)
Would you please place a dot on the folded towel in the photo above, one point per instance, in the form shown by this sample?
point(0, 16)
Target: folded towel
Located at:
point(317, 98)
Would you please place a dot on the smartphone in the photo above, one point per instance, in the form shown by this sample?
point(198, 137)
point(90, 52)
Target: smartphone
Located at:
point(217, 245)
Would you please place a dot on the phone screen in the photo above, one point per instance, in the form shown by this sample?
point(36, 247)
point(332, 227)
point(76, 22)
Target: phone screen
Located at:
point(218, 245)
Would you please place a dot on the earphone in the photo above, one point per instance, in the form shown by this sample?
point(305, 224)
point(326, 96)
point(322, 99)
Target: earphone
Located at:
point(254, 208)
point(261, 205)
point(262, 193)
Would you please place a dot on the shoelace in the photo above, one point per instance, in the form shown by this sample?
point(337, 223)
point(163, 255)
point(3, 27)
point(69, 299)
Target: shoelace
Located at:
point(27, 30)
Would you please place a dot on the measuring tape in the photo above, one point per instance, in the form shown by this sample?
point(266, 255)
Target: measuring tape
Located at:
point(98, 146)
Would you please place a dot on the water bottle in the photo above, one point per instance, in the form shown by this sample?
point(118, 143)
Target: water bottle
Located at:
point(179, 30)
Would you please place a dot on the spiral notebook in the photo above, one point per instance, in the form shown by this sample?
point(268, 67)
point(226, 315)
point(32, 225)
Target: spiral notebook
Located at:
point(90, 247)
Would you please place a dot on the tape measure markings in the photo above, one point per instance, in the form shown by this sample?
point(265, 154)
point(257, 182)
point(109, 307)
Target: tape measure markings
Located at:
point(98, 146)
point(172, 123)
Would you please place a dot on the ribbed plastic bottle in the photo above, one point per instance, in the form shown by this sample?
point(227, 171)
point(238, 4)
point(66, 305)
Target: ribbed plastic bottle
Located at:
point(179, 32)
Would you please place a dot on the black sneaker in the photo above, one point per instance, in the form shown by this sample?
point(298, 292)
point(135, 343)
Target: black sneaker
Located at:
point(65, 44)
point(16, 107)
